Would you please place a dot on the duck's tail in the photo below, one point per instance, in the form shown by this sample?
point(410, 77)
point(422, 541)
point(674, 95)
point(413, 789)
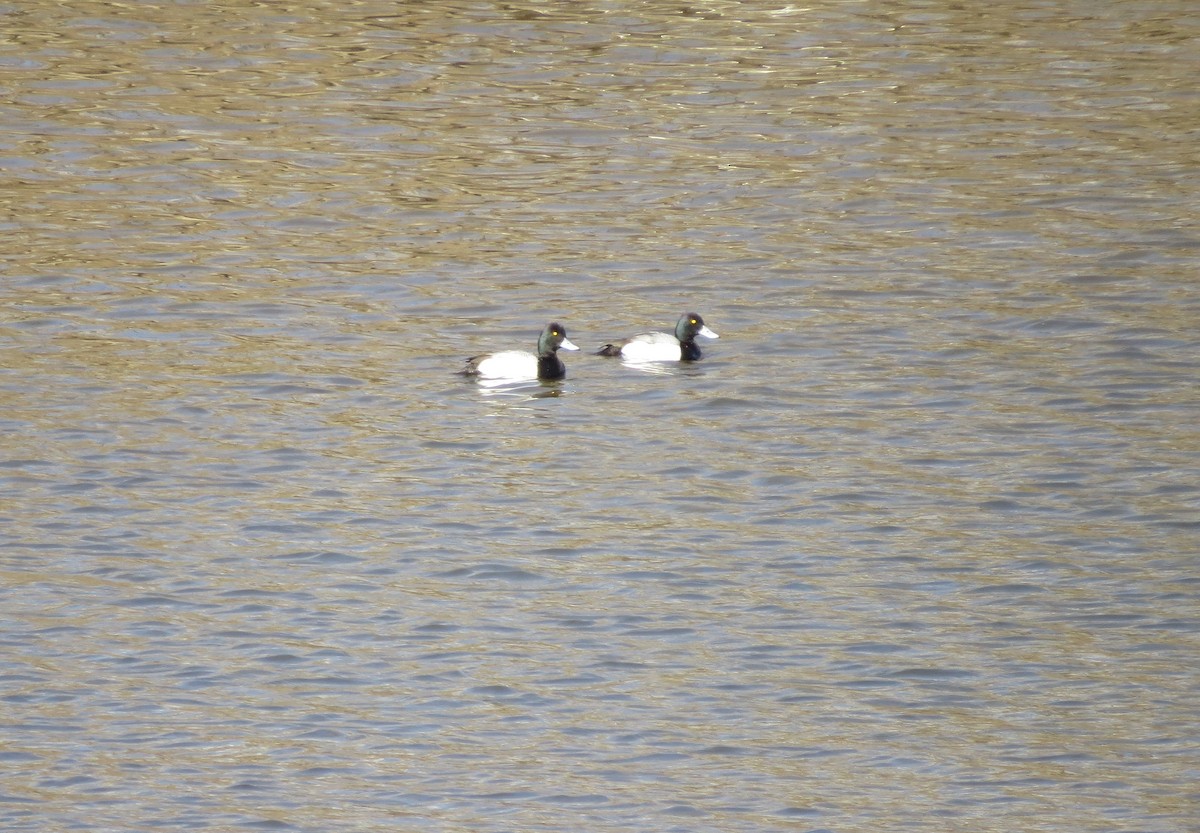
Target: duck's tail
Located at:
point(609, 350)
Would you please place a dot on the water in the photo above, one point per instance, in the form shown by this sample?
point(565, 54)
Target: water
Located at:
point(912, 547)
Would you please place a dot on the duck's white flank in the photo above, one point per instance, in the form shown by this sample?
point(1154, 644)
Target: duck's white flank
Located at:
point(652, 347)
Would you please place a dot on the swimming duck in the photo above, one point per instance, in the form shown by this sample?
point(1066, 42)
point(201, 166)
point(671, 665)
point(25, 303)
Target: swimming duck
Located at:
point(661, 347)
point(518, 365)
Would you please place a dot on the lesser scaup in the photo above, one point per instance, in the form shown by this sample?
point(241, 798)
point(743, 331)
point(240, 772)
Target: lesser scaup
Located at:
point(661, 347)
point(518, 365)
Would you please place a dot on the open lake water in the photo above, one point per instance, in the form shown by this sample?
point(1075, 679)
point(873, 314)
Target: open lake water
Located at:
point(913, 547)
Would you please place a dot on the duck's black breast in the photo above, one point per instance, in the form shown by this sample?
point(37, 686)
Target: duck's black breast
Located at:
point(550, 366)
point(689, 350)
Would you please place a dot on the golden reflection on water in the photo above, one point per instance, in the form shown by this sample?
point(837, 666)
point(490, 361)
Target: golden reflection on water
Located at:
point(469, 132)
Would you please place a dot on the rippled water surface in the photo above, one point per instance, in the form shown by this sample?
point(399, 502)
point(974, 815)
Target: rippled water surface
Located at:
point(913, 547)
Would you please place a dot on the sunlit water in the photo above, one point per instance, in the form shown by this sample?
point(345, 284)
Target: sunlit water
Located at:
point(912, 547)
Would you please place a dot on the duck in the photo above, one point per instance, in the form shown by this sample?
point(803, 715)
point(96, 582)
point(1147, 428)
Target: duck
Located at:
point(662, 347)
point(519, 365)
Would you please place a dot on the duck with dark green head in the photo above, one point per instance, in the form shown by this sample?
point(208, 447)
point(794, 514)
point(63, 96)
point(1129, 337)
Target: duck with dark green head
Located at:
point(519, 366)
point(662, 347)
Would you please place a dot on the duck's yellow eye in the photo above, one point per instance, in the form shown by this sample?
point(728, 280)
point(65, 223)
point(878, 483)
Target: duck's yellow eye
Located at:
point(693, 320)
